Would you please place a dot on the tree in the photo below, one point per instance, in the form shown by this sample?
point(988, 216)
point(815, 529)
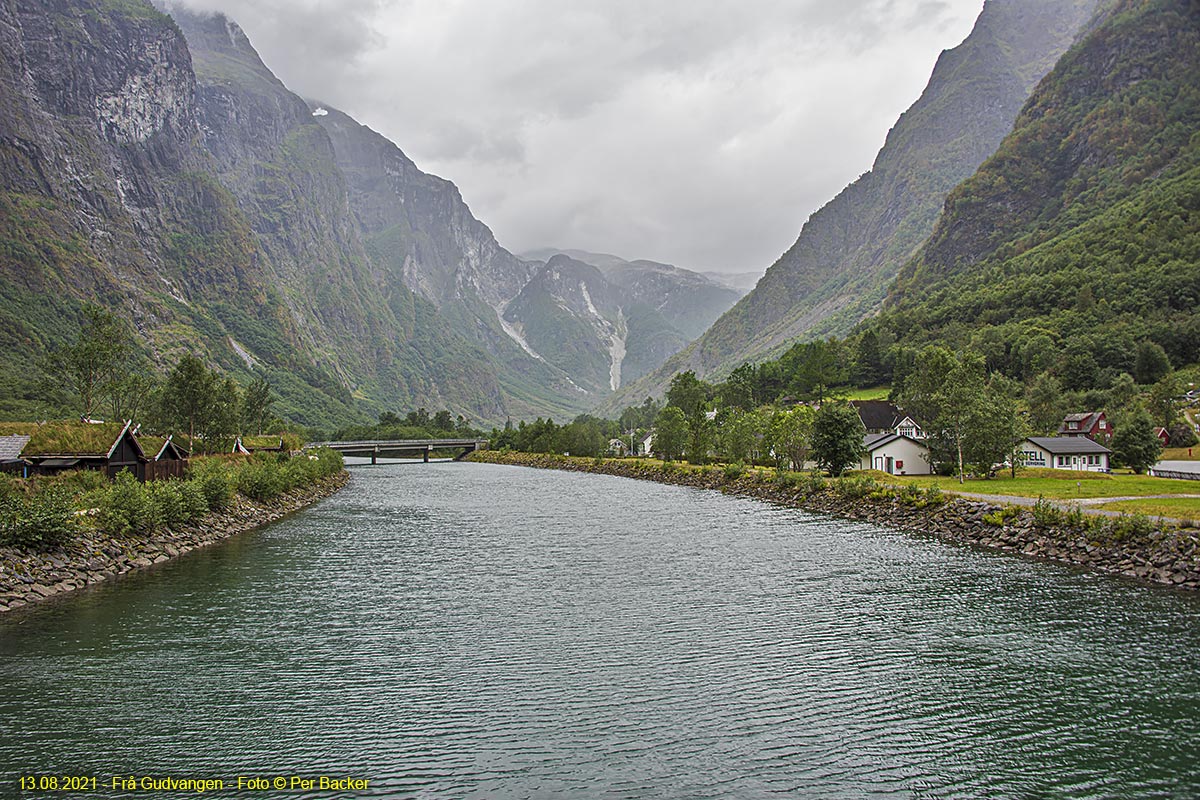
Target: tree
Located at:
point(837, 437)
point(1163, 403)
point(1134, 444)
point(443, 421)
point(188, 396)
point(790, 435)
point(689, 394)
point(737, 437)
point(1122, 393)
point(1151, 363)
point(738, 389)
point(670, 433)
point(92, 364)
point(1044, 398)
point(203, 403)
point(256, 407)
point(868, 368)
point(995, 430)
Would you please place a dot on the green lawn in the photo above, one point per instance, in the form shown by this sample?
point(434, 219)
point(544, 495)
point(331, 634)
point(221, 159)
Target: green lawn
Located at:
point(1064, 485)
point(1174, 507)
point(878, 393)
point(1181, 454)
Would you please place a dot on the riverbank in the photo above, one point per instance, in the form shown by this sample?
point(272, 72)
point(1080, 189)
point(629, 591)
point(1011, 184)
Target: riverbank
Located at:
point(1127, 546)
point(29, 576)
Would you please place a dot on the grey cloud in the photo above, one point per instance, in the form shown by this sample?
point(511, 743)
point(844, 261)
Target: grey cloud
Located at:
point(701, 132)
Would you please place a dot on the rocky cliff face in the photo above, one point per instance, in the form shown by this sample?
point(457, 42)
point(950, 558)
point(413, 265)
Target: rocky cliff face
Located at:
point(157, 166)
point(848, 252)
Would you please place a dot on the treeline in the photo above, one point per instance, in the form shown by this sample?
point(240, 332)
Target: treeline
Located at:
point(418, 424)
point(99, 375)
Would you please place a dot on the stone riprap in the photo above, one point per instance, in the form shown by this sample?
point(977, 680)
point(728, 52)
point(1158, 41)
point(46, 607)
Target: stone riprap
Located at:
point(1165, 555)
point(28, 576)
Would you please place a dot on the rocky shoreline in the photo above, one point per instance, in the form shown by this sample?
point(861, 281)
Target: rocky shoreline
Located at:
point(1169, 556)
point(28, 577)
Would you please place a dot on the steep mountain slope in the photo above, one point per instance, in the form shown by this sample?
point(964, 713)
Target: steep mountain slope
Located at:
point(279, 164)
point(848, 252)
point(108, 195)
point(1081, 235)
point(420, 234)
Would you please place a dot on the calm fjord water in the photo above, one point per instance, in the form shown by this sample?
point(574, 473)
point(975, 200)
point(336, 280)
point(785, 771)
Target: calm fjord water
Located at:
point(461, 630)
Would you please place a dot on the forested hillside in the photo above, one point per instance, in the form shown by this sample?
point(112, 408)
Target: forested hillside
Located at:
point(1080, 237)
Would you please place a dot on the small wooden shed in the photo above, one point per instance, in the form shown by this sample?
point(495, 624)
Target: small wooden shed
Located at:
point(168, 459)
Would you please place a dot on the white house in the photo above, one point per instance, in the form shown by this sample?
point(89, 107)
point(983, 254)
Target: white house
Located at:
point(1065, 452)
point(646, 444)
point(882, 416)
point(895, 454)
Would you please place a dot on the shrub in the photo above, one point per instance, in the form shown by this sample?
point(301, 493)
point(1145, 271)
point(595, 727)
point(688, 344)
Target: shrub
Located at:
point(261, 480)
point(1001, 515)
point(43, 520)
point(911, 495)
point(167, 500)
point(195, 504)
point(215, 480)
point(854, 488)
point(1130, 526)
point(734, 471)
point(1046, 514)
point(127, 507)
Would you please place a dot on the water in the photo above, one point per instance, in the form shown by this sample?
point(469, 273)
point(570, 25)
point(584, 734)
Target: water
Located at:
point(460, 630)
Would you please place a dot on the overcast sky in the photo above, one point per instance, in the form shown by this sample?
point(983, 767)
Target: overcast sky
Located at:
point(697, 132)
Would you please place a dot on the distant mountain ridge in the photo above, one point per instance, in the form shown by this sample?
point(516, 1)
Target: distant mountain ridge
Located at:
point(849, 251)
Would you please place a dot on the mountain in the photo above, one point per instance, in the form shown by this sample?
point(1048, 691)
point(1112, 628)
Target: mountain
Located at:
point(850, 250)
point(689, 301)
point(420, 235)
point(1079, 238)
point(154, 164)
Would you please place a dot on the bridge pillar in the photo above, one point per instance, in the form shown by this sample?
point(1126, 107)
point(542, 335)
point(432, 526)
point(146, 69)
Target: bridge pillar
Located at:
point(427, 455)
point(375, 456)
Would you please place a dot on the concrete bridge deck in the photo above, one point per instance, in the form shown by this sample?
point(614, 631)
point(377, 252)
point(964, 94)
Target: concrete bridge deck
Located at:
point(376, 449)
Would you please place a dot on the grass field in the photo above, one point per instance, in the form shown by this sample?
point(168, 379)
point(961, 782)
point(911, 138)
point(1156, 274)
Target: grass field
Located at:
point(1181, 454)
point(1053, 484)
point(1175, 507)
point(878, 393)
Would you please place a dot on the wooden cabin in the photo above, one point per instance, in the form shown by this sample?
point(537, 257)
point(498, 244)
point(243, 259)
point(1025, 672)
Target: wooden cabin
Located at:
point(245, 445)
point(168, 459)
point(54, 447)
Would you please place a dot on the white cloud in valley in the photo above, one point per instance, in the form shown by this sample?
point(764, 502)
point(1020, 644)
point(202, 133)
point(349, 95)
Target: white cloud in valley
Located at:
point(698, 132)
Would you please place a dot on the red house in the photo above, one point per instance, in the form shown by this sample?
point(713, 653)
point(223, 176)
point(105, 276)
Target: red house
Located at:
point(1092, 424)
point(1163, 435)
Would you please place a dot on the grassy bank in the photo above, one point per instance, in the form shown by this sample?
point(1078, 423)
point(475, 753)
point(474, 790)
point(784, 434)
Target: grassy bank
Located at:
point(46, 512)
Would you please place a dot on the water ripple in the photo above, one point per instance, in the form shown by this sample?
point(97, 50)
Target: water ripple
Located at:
point(452, 630)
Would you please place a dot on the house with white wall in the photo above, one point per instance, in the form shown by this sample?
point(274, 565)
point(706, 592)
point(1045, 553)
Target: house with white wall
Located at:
point(1065, 452)
point(895, 454)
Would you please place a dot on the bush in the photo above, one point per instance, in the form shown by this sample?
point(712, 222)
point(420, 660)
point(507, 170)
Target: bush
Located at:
point(854, 488)
point(734, 471)
point(1046, 514)
point(1130, 526)
point(167, 500)
point(215, 480)
point(42, 520)
point(127, 507)
point(1001, 516)
point(195, 504)
point(261, 480)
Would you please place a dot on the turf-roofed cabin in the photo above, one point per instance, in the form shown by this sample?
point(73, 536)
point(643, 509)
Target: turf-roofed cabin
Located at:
point(167, 458)
point(54, 447)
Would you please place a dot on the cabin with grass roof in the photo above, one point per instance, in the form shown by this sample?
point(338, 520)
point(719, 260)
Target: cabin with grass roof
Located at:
point(168, 459)
point(54, 447)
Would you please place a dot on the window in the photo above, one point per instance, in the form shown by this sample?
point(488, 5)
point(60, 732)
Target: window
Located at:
point(1103, 424)
point(1073, 426)
point(1062, 461)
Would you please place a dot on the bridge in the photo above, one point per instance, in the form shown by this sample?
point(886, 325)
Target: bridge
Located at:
point(376, 449)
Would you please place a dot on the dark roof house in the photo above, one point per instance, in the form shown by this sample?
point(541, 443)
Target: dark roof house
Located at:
point(1086, 423)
